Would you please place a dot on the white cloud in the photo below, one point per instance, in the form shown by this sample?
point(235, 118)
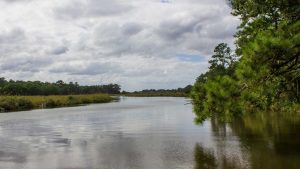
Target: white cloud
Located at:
point(131, 42)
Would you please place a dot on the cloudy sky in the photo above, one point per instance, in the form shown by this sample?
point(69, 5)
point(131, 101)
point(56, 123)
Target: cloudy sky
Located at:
point(136, 43)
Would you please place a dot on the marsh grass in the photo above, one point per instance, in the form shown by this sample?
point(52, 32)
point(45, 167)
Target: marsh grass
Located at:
point(19, 103)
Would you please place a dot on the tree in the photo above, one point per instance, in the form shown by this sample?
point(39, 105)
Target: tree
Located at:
point(222, 58)
point(266, 76)
point(58, 88)
point(216, 90)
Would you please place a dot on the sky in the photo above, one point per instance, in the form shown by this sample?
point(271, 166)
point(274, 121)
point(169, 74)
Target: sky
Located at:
point(139, 44)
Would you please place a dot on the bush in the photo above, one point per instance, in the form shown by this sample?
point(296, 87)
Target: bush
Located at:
point(51, 103)
point(8, 104)
point(24, 104)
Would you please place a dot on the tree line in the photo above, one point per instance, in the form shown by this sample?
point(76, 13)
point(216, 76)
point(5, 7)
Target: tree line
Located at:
point(263, 73)
point(33, 88)
point(179, 92)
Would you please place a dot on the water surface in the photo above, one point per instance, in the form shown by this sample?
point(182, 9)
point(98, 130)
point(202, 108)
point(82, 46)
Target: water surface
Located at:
point(143, 133)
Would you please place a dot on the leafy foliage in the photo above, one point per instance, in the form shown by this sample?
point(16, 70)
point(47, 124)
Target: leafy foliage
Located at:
point(267, 74)
point(180, 92)
point(58, 88)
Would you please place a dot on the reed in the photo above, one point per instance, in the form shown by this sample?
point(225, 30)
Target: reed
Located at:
point(19, 103)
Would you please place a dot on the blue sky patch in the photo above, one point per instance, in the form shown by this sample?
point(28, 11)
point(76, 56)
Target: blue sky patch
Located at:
point(190, 58)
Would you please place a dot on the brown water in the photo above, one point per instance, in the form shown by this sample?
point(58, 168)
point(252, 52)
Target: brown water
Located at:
point(144, 133)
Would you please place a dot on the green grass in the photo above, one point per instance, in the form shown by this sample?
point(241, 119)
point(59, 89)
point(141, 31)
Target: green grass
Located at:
point(20, 103)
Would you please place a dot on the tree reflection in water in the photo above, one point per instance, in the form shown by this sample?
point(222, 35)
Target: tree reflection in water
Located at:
point(265, 140)
point(206, 159)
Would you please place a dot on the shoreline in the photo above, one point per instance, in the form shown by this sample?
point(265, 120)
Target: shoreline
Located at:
point(24, 103)
point(154, 95)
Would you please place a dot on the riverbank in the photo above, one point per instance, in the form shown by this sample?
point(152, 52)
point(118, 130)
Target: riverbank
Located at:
point(155, 94)
point(21, 103)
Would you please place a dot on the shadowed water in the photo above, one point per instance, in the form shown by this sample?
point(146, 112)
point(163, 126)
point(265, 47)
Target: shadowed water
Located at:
point(141, 133)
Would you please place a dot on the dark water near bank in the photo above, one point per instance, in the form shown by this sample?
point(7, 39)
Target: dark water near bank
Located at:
point(145, 133)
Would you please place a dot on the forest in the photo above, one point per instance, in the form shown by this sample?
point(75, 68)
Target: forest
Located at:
point(34, 88)
point(179, 92)
point(263, 72)
point(27, 95)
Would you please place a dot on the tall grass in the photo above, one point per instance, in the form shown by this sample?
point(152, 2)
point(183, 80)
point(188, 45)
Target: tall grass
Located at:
point(19, 103)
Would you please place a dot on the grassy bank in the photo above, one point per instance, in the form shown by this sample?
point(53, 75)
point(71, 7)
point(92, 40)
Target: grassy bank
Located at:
point(19, 103)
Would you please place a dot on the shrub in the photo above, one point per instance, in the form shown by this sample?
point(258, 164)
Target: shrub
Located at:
point(51, 103)
point(24, 104)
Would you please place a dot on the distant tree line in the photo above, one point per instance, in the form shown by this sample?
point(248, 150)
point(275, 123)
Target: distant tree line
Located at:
point(11, 87)
point(179, 92)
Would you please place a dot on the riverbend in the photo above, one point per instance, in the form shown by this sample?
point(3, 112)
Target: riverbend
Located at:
point(143, 133)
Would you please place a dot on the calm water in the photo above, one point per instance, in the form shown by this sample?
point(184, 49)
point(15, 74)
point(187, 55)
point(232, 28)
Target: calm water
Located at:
point(144, 133)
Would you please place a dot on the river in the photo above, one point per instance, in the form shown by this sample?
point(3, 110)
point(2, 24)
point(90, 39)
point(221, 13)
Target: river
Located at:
point(143, 133)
